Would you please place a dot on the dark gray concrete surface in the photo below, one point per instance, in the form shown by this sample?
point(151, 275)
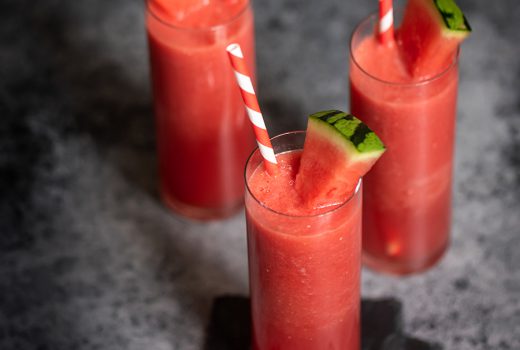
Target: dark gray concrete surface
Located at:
point(90, 259)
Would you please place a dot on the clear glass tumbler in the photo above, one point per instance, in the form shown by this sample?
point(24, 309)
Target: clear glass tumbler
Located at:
point(407, 195)
point(203, 133)
point(304, 271)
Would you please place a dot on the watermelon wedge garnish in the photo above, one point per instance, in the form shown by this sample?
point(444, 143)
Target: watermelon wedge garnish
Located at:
point(174, 11)
point(338, 150)
point(430, 34)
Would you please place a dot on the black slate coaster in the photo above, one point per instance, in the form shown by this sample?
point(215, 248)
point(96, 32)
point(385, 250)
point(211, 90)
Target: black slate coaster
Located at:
point(405, 343)
point(230, 324)
point(381, 323)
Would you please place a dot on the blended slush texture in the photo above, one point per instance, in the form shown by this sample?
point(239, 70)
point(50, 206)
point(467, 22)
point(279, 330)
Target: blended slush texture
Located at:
point(304, 264)
point(407, 194)
point(203, 133)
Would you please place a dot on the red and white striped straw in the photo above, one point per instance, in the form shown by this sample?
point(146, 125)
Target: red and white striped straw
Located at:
point(386, 22)
point(253, 109)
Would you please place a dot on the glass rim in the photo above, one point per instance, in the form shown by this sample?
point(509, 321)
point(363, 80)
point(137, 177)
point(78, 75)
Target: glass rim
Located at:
point(394, 83)
point(210, 28)
point(259, 202)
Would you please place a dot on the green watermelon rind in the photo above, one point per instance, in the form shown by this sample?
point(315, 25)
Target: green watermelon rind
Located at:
point(453, 22)
point(347, 132)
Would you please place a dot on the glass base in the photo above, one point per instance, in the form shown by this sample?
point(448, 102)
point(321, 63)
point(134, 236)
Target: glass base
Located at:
point(199, 213)
point(397, 268)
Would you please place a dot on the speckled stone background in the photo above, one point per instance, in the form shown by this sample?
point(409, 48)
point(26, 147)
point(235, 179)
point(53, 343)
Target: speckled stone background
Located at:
point(90, 259)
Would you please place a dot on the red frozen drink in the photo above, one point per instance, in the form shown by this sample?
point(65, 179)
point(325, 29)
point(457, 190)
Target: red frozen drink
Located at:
point(304, 263)
point(407, 195)
point(203, 134)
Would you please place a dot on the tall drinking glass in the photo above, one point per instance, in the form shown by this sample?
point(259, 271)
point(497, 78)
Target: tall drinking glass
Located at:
point(203, 135)
point(304, 270)
point(407, 194)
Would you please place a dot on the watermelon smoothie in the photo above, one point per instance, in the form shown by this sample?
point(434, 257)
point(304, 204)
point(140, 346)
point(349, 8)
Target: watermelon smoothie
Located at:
point(304, 264)
point(407, 194)
point(203, 135)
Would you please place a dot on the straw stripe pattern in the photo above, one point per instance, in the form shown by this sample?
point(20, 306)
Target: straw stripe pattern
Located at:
point(245, 82)
point(386, 21)
point(253, 109)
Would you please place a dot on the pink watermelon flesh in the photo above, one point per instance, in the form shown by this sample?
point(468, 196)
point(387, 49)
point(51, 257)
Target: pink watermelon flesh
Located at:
point(429, 36)
point(190, 13)
point(339, 149)
point(196, 13)
point(170, 11)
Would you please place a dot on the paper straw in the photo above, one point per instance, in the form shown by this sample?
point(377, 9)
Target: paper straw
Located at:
point(253, 109)
point(386, 22)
